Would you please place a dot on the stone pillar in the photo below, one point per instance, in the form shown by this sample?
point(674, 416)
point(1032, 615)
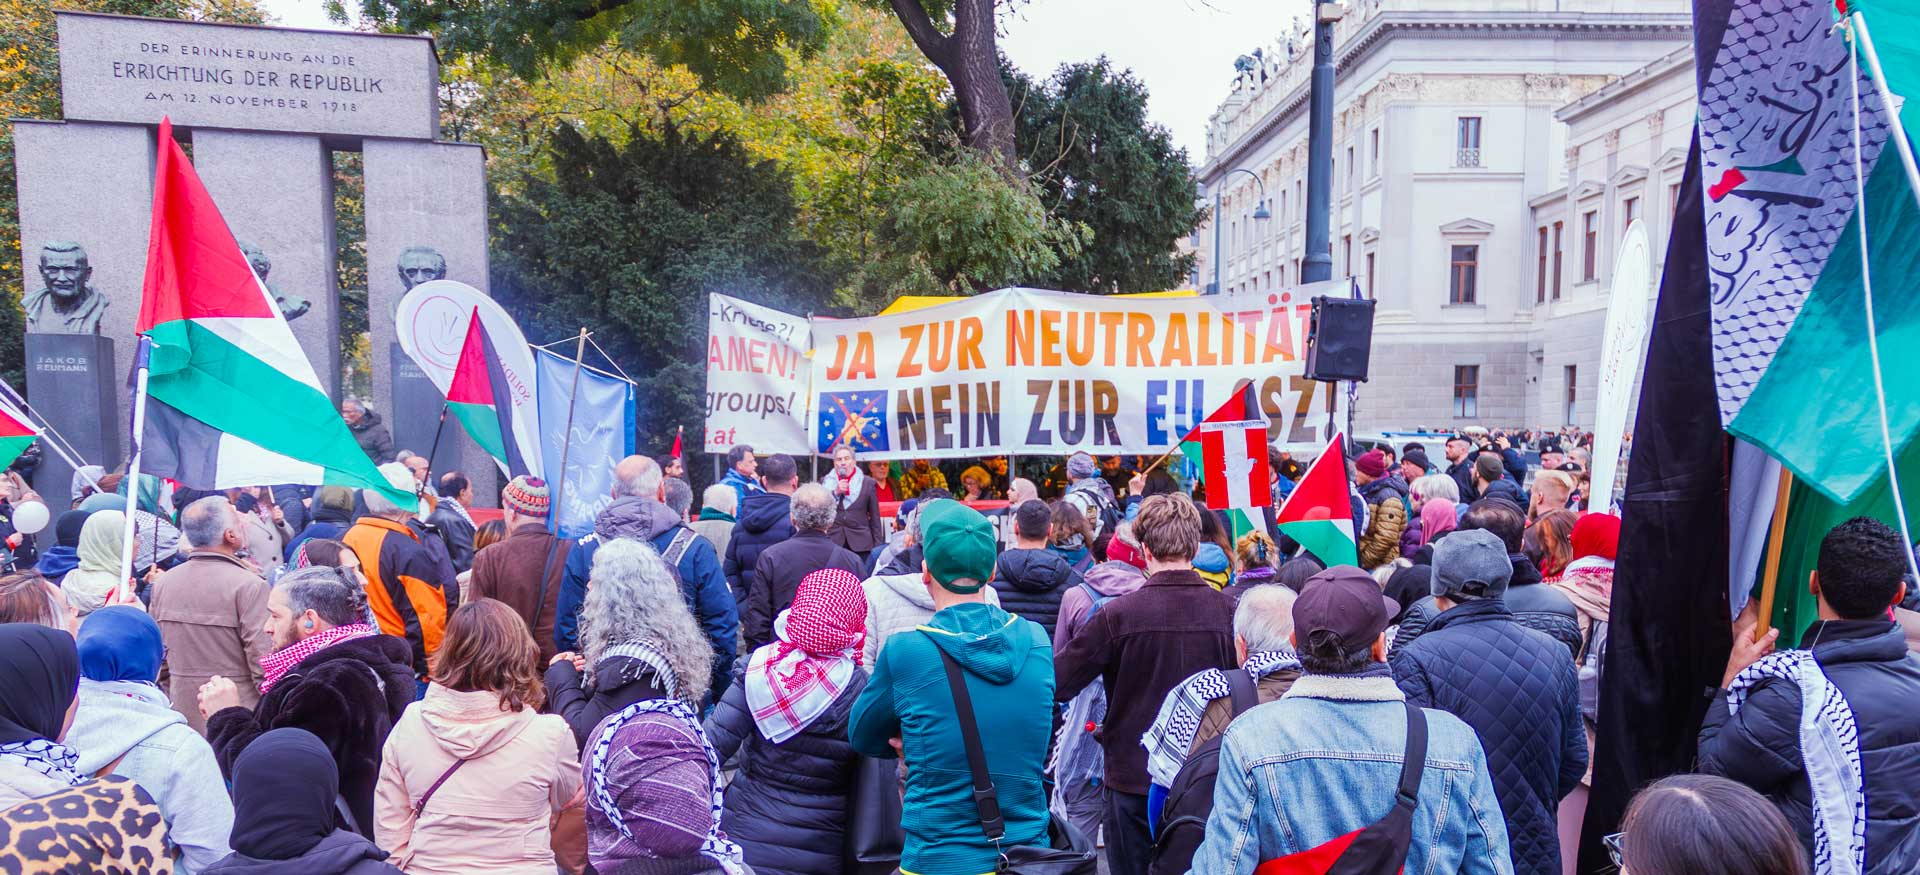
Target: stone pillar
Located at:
point(88, 185)
point(276, 192)
point(426, 219)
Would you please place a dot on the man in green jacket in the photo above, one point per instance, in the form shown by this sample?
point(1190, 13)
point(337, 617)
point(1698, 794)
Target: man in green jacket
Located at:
point(1007, 664)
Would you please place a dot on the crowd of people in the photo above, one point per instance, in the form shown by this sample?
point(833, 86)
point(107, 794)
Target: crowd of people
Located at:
point(783, 680)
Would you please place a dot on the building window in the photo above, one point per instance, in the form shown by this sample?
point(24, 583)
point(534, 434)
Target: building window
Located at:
point(1629, 210)
point(1589, 245)
point(1673, 198)
point(1283, 274)
point(1468, 142)
point(1299, 197)
point(1375, 148)
point(1465, 274)
point(1346, 253)
point(1269, 276)
point(1540, 282)
point(1283, 208)
point(1369, 275)
point(1466, 391)
point(1349, 167)
point(1573, 381)
point(1557, 259)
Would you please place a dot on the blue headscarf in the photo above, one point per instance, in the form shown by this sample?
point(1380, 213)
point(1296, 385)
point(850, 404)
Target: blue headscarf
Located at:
point(120, 643)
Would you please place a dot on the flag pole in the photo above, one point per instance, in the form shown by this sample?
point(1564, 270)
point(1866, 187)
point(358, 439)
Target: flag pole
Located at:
point(438, 429)
point(140, 357)
point(1776, 536)
point(59, 443)
point(558, 484)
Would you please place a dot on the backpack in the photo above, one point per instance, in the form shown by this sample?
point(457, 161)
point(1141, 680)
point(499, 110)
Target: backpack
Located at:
point(1102, 512)
point(1099, 598)
point(1183, 817)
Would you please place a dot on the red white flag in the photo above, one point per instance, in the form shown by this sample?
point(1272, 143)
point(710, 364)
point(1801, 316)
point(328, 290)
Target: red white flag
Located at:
point(1234, 464)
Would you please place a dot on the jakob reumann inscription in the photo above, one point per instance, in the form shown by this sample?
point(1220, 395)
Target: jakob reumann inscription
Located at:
point(122, 69)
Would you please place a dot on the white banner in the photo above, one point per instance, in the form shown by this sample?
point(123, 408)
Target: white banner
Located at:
point(431, 322)
point(1623, 347)
point(756, 377)
point(1029, 371)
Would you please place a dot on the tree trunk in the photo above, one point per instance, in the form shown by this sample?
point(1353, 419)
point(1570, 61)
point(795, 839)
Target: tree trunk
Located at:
point(971, 61)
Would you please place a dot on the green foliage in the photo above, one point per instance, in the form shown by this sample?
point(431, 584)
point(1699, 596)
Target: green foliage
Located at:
point(1098, 161)
point(350, 273)
point(964, 227)
point(735, 47)
point(628, 239)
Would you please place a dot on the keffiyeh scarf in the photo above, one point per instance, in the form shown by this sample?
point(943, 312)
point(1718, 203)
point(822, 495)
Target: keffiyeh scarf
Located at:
point(1830, 746)
point(275, 665)
point(49, 758)
point(795, 679)
point(716, 846)
point(1171, 735)
point(645, 654)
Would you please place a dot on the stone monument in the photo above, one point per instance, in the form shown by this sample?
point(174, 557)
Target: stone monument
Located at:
point(265, 108)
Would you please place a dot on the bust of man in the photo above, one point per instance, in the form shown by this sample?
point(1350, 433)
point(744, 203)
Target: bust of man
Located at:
point(419, 264)
point(291, 307)
point(67, 302)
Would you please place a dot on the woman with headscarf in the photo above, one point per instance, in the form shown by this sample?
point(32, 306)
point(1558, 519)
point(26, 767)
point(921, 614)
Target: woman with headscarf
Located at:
point(91, 584)
point(64, 555)
point(653, 795)
point(39, 675)
point(125, 725)
point(1438, 516)
point(788, 708)
point(284, 787)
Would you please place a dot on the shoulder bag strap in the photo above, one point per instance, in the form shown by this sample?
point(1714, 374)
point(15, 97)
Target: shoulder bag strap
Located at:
point(1414, 763)
point(985, 797)
point(1245, 695)
point(678, 547)
point(422, 804)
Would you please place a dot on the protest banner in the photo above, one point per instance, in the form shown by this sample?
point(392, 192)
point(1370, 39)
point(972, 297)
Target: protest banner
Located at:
point(1031, 371)
point(431, 324)
point(756, 377)
point(1622, 348)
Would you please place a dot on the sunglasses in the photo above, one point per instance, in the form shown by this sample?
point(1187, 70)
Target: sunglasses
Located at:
point(1615, 844)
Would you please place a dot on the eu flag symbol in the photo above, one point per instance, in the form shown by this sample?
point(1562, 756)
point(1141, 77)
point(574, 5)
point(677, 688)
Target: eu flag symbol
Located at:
point(856, 419)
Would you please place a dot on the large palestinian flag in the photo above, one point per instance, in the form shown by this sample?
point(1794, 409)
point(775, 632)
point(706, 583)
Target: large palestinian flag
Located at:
point(231, 399)
point(1319, 514)
point(478, 398)
point(16, 434)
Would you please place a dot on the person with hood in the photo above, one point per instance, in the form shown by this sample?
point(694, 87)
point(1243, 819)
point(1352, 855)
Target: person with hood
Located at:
point(1513, 685)
point(900, 601)
point(716, 521)
point(742, 466)
point(212, 611)
point(125, 726)
point(39, 680)
point(638, 642)
point(1141, 646)
point(1101, 584)
point(766, 519)
point(1007, 666)
point(1423, 490)
point(780, 568)
point(1071, 537)
point(64, 555)
point(524, 571)
point(1534, 605)
point(368, 431)
point(284, 787)
point(1078, 765)
point(637, 513)
point(1588, 583)
point(473, 774)
point(409, 588)
point(92, 582)
point(332, 516)
point(1092, 495)
point(452, 521)
point(330, 673)
point(857, 525)
point(1438, 516)
point(1030, 578)
point(1491, 480)
point(786, 715)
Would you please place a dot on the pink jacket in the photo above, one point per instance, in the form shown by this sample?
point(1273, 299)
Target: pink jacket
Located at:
point(493, 815)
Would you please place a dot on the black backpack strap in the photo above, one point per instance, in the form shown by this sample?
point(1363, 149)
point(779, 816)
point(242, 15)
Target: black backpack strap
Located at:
point(1414, 763)
point(986, 798)
point(1240, 685)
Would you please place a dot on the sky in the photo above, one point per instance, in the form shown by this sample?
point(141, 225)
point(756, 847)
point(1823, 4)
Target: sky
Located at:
point(1182, 49)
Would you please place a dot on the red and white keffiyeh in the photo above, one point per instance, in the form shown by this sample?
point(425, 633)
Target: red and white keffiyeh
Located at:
point(795, 679)
point(275, 665)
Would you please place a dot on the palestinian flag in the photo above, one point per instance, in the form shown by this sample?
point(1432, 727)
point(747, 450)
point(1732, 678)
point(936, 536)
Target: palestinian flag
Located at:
point(231, 399)
point(1318, 514)
point(478, 398)
point(16, 434)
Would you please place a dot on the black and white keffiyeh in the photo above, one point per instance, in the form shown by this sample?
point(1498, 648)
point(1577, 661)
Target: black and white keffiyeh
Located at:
point(1171, 735)
point(1830, 746)
point(716, 846)
point(49, 758)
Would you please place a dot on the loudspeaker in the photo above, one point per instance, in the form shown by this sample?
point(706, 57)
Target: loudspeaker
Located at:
point(1339, 339)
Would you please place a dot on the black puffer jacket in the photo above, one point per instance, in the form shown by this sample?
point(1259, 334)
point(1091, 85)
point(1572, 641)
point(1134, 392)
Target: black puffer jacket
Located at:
point(1536, 606)
point(1519, 693)
point(1031, 583)
point(620, 681)
point(787, 808)
point(1759, 745)
point(764, 520)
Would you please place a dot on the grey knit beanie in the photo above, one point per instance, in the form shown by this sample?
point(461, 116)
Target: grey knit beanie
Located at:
point(1470, 564)
point(1080, 466)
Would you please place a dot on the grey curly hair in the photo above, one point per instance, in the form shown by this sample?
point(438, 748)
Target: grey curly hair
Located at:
point(632, 597)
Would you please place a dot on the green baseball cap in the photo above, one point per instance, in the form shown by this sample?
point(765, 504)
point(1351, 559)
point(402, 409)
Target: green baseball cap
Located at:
point(958, 544)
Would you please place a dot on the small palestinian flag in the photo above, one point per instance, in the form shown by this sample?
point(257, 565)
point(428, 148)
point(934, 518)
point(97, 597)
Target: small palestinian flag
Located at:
point(1318, 514)
point(231, 399)
point(478, 398)
point(16, 434)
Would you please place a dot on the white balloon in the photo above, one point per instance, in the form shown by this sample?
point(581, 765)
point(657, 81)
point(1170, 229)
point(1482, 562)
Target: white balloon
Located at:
point(30, 518)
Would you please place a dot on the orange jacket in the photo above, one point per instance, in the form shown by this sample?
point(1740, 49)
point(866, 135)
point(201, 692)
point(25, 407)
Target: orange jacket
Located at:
point(403, 586)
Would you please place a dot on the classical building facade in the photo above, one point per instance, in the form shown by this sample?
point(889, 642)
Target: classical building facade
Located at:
point(1453, 120)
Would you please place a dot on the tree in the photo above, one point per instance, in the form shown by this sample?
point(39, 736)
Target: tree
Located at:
point(958, 37)
point(628, 239)
point(964, 227)
point(1099, 162)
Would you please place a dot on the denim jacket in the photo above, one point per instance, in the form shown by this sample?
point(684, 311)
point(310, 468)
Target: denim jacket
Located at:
point(1331, 748)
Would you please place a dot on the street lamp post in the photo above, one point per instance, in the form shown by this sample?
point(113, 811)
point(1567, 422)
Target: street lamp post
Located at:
point(1317, 263)
point(1260, 211)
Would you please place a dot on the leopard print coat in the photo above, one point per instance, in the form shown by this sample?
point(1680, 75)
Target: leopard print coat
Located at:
point(105, 827)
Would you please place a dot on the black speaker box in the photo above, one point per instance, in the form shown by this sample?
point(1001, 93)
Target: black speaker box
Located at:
point(1339, 339)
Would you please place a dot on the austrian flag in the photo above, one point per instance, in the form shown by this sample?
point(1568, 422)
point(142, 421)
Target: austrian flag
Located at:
point(1235, 464)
